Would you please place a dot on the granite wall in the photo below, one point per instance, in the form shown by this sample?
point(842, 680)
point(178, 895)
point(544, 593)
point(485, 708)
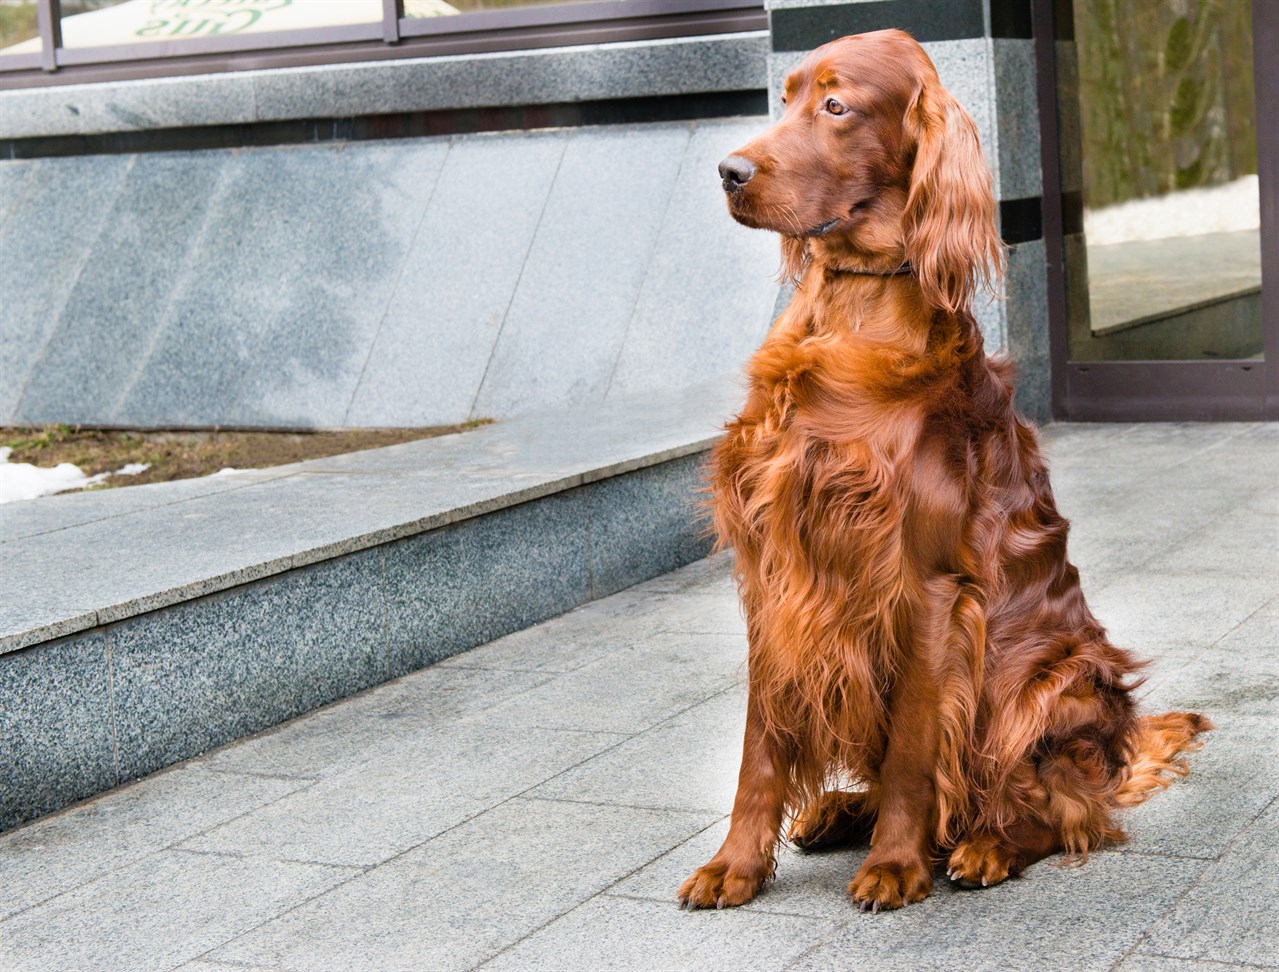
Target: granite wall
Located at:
point(378, 283)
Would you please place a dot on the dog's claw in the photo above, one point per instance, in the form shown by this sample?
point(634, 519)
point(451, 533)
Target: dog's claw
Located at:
point(719, 903)
point(874, 909)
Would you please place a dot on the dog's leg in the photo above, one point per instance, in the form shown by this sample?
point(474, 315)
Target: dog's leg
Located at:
point(898, 870)
point(838, 818)
point(746, 860)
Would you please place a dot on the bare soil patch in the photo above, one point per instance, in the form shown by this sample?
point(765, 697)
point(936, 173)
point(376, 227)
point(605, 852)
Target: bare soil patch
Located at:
point(184, 454)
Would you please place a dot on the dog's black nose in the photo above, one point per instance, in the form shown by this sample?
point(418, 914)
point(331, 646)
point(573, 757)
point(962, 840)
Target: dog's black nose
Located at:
point(736, 172)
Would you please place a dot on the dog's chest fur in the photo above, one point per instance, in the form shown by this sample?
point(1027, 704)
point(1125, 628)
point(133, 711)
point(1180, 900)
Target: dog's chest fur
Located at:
point(818, 469)
point(814, 506)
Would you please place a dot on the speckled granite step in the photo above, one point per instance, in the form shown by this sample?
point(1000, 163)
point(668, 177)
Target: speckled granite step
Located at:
point(142, 626)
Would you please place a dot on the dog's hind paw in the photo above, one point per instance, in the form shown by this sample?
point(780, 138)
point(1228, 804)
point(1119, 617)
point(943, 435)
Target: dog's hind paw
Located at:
point(980, 862)
point(837, 818)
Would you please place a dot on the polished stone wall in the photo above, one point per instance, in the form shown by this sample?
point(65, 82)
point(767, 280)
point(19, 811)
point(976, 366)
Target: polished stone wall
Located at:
point(388, 283)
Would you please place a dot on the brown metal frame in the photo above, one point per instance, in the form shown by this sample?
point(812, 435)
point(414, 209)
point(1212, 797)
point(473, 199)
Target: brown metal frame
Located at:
point(1164, 390)
point(394, 36)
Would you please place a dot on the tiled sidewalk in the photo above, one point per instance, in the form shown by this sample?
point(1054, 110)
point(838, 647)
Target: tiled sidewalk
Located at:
point(534, 804)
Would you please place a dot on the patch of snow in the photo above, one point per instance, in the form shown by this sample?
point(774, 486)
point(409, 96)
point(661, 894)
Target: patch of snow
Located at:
point(23, 481)
point(1227, 208)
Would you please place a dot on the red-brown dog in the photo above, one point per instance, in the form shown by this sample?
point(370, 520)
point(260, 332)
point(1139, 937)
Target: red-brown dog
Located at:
point(916, 630)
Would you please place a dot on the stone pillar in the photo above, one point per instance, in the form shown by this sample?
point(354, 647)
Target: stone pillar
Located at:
point(985, 54)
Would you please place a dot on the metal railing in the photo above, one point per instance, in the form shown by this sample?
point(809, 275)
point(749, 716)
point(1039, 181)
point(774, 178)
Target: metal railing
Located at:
point(394, 36)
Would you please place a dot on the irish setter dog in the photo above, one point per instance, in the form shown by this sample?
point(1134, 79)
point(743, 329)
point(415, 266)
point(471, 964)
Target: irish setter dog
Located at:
point(923, 669)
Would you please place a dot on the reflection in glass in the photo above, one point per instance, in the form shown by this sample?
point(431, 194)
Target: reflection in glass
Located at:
point(97, 23)
point(19, 27)
point(1168, 266)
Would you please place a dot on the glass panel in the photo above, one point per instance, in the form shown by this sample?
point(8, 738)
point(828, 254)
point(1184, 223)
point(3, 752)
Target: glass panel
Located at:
point(19, 29)
point(95, 23)
point(1168, 265)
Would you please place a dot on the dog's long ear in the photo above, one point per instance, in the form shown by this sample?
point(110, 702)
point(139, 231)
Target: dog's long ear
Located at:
point(950, 233)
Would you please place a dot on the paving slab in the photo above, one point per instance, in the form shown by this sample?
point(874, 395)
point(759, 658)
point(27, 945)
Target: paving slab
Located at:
point(339, 736)
point(622, 934)
point(1232, 780)
point(1154, 612)
point(718, 613)
point(1054, 918)
point(574, 639)
point(1229, 914)
point(61, 852)
point(461, 898)
point(69, 510)
point(630, 690)
point(1164, 963)
point(157, 913)
point(419, 786)
point(805, 885)
point(698, 752)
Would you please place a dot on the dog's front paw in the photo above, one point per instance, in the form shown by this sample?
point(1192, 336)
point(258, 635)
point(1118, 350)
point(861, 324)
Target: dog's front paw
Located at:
point(722, 885)
point(979, 862)
point(890, 885)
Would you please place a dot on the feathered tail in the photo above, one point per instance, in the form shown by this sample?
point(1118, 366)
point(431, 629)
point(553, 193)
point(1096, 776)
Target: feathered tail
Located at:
point(1159, 754)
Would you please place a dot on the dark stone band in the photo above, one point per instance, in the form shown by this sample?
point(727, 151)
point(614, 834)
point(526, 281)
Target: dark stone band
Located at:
point(459, 121)
point(803, 28)
point(1021, 220)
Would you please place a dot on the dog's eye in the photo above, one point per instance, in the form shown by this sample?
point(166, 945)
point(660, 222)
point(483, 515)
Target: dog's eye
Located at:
point(834, 107)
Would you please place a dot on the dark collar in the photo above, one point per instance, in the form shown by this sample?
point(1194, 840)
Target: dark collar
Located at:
point(904, 268)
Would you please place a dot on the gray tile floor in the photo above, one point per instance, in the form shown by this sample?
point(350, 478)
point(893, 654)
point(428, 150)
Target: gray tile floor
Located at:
point(534, 804)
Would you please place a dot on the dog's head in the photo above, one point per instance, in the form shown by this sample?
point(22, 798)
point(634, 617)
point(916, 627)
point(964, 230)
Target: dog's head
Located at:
point(873, 164)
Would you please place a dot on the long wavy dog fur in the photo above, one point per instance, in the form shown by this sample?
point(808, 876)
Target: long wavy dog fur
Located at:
point(923, 668)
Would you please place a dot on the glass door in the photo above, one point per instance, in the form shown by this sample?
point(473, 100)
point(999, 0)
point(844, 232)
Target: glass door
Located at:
point(1163, 307)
